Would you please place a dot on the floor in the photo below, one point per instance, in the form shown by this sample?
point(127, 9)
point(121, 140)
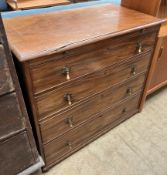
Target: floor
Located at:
point(136, 147)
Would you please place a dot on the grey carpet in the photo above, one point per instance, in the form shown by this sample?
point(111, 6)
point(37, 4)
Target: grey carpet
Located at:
point(136, 147)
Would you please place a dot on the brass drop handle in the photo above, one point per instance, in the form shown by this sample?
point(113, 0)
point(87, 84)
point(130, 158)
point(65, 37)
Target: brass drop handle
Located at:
point(140, 48)
point(133, 70)
point(66, 72)
point(124, 110)
point(68, 98)
point(69, 144)
point(69, 121)
point(129, 91)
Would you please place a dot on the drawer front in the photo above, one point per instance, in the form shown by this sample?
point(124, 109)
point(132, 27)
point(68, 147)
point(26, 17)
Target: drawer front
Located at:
point(10, 117)
point(15, 155)
point(76, 137)
point(6, 84)
point(75, 91)
point(59, 124)
point(101, 55)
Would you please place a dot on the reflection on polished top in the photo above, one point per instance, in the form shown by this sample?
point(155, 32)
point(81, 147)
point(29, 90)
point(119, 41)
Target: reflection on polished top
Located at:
point(43, 34)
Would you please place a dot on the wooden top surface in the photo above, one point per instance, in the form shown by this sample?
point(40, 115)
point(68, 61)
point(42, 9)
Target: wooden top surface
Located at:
point(29, 4)
point(43, 34)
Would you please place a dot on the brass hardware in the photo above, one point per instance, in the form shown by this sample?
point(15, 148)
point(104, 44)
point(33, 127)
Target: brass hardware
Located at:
point(66, 71)
point(69, 121)
point(140, 48)
point(129, 91)
point(68, 98)
point(124, 110)
point(133, 70)
point(69, 144)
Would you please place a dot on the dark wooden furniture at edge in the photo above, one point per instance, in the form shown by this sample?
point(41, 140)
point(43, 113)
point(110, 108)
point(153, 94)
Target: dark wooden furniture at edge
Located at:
point(84, 82)
point(18, 153)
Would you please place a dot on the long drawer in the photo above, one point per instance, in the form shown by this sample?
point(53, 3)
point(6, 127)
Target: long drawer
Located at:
point(59, 124)
point(71, 65)
point(75, 138)
point(20, 156)
point(65, 97)
point(11, 119)
point(6, 83)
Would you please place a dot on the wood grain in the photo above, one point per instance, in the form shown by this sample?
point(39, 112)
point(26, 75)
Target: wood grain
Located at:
point(163, 30)
point(82, 61)
point(150, 7)
point(11, 119)
point(59, 124)
point(17, 145)
point(53, 101)
point(162, 13)
point(19, 158)
point(99, 76)
point(6, 83)
point(157, 77)
point(60, 148)
point(30, 4)
point(160, 72)
point(53, 36)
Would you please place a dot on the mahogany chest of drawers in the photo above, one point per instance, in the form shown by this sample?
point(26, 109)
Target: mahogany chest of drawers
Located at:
point(18, 153)
point(84, 82)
